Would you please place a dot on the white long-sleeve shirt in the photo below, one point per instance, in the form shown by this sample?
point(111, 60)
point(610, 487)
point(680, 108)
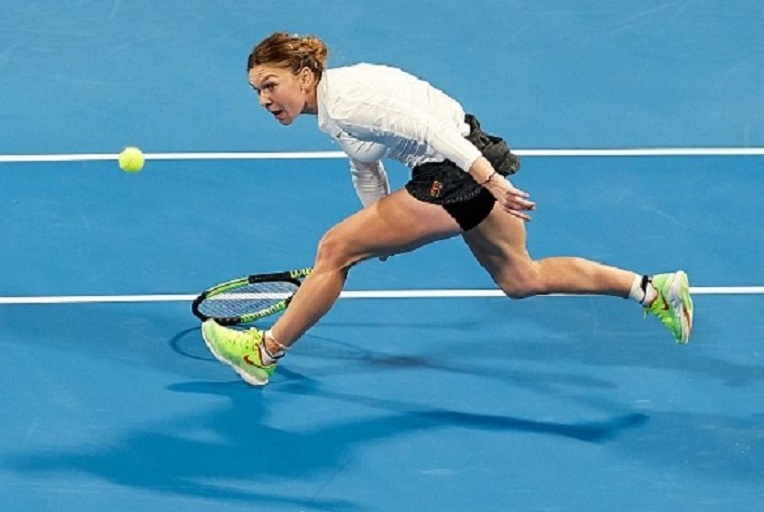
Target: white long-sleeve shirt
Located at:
point(375, 112)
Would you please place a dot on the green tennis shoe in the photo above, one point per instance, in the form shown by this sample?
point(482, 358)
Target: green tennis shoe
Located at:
point(241, 350)
point(673, 306)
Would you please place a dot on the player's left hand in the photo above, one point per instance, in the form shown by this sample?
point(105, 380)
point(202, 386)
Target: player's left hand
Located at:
point(513, 200)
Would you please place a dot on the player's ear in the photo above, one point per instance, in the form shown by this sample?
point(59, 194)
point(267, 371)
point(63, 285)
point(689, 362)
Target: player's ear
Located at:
point(305, 76)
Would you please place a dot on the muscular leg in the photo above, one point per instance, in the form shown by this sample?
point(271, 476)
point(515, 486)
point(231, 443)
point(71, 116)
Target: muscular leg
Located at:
point(499, 245)
point(394, 224)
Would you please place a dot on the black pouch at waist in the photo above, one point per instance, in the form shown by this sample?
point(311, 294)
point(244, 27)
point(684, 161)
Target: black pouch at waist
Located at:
point(494, 148)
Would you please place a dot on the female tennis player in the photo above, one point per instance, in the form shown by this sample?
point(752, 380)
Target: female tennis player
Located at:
point(458, 187)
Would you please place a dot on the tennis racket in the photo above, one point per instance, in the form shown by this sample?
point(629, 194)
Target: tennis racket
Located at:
point(249, 298)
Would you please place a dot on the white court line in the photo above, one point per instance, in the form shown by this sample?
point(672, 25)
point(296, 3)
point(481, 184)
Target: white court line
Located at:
point(371, 294)
point(95, 157)
point(403, 294)
point(339, 154)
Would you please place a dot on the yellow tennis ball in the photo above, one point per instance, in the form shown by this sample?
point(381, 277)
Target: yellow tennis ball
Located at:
point(131, 159)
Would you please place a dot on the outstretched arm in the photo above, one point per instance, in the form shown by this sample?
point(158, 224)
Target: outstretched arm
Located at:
point(513, 200)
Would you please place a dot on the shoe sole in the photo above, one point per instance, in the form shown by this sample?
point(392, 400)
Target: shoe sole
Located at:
point(681, 303)
point(249, 379)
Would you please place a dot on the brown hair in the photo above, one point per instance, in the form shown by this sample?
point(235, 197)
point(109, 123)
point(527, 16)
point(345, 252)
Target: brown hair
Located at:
point(292, 52)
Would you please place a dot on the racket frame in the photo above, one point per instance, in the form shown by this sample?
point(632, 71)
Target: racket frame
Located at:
point(289, 276)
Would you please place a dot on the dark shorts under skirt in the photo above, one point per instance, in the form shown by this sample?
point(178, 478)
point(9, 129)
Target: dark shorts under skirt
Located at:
point(444, 183)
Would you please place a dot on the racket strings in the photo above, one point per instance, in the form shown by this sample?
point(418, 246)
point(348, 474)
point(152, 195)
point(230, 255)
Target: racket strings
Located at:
point(247, 299)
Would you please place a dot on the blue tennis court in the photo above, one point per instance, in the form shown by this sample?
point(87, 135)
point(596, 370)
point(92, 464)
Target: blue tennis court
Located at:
point(110, 400)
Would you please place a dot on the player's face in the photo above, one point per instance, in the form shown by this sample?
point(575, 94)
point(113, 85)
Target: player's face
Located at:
point(280, 92)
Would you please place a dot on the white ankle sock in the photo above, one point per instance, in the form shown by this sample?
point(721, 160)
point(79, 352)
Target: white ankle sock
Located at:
point(265, 355)
point(642, 290)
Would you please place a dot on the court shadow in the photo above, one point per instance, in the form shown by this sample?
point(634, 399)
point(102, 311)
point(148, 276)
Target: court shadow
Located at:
point(225, 454)
point(186, 343)
point(229, 452)
point(412, 417)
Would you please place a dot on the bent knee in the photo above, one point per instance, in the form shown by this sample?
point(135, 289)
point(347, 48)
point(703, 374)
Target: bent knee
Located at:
point(515, 292)
point(335, 252)
point(522, 286)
